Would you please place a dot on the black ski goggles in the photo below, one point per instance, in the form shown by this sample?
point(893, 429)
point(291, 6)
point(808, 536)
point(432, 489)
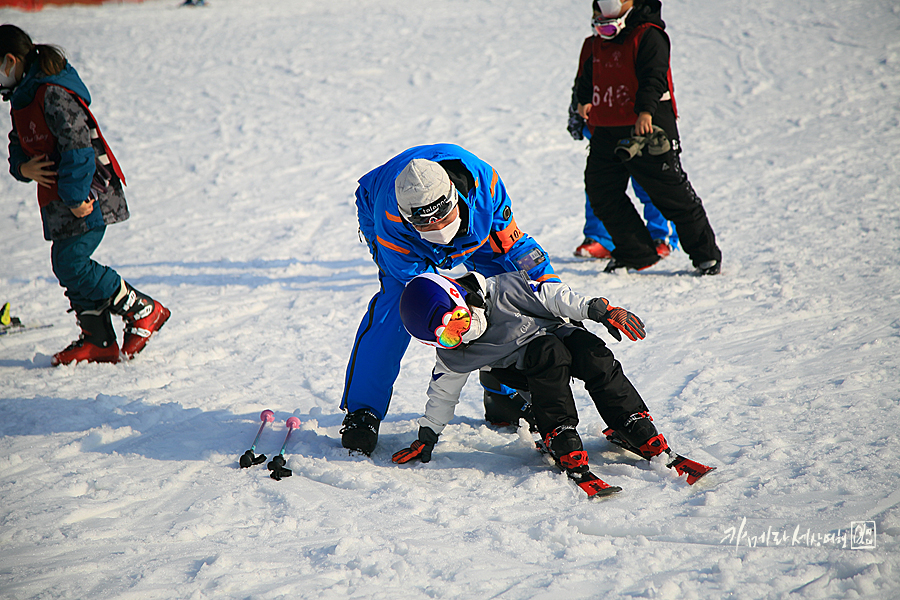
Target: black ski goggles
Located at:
point(434, 212)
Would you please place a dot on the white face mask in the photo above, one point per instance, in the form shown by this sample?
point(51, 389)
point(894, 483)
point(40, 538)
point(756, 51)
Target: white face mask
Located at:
point(8, 81)
point(444, 235)
point(478, 326)
point(610, 8)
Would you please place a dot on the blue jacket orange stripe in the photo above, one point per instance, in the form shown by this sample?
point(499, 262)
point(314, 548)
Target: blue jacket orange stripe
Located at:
point(490, 234)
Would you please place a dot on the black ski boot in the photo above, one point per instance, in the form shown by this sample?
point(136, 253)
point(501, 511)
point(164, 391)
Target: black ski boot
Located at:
point(710, 267)
point(614, 263)
point(360, 431)
point(502, 410)
point(639, 431)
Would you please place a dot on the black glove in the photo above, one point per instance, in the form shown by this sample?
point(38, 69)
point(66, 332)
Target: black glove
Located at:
point(616, 319)
point(276, 465)
point(420, 449)
point(576, 126)
point(576, 122)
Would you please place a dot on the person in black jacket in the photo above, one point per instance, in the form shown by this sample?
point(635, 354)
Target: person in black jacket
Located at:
point(625, 90)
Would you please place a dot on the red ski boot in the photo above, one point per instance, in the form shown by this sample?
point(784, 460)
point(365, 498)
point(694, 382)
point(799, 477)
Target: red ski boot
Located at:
point(592, 249)
point(96, 344)
point(576, 467)
point(143, 317)
point(663, 249)
point(654, 446)
point(564, 445)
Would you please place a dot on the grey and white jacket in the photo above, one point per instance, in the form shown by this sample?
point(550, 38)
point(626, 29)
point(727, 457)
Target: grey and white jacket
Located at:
point(518, 310)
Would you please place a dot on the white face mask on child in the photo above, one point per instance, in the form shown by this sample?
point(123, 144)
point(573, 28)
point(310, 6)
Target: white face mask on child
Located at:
point(478, 326)
point(8, 81)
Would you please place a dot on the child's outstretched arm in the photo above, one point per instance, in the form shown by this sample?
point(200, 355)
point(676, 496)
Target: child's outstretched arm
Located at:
point(616, 319)
point(563, 301)
point(443, 396)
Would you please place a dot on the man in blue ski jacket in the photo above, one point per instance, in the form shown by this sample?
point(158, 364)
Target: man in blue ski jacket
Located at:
point(428, 208)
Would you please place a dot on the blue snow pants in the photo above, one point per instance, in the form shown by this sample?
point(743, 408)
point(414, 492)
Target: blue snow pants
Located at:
point(380, 344)
point(89, 285)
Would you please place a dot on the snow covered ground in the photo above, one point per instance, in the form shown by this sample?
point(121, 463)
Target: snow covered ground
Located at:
point(242, 129)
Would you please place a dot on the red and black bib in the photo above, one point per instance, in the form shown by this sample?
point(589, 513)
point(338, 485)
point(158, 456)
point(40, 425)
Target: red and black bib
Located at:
point(615, 79)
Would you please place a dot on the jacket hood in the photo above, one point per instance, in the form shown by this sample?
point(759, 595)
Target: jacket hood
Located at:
point(23, 94)
point(646, 11)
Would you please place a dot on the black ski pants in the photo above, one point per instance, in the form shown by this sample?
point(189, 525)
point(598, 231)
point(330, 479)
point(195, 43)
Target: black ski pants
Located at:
point(550, 362)
point(606, 179)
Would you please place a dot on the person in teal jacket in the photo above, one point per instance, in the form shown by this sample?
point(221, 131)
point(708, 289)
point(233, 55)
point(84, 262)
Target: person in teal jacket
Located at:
point(56, 142)
point(428, 208)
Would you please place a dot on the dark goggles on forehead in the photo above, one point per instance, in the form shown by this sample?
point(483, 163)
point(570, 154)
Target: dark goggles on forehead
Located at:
point(434, 212)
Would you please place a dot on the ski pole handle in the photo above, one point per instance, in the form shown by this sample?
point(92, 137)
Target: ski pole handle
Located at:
point(266, 416)
point(292, 424)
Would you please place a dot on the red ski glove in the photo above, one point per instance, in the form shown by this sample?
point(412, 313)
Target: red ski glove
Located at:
point(421, 448)
point(416, 450)
point(616, 319)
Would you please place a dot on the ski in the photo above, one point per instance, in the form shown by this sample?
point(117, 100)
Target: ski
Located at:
point(21, 328)
point(694, 470)
point(592, 485)
point(10, 324)
point(681, 464)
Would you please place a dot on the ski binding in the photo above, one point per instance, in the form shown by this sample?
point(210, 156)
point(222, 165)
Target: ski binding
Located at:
point(592, 485)
point(681, 464)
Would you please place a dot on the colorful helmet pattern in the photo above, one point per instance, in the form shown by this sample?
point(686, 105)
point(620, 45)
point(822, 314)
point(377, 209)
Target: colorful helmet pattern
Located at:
point(433, 310)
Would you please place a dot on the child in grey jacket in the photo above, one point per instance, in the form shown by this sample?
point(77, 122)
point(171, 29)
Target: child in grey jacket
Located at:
point(530, 337)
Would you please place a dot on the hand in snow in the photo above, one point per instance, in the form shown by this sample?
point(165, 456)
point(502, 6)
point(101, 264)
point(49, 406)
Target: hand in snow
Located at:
point(419, 449)
point(36, 169)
